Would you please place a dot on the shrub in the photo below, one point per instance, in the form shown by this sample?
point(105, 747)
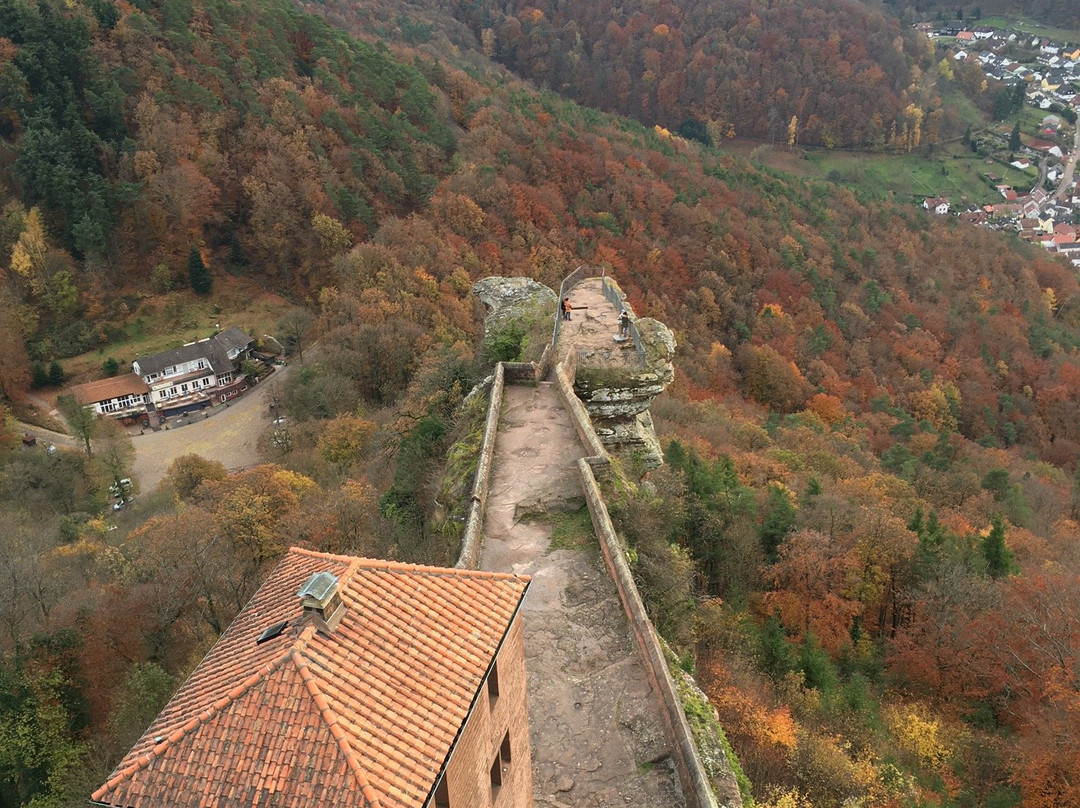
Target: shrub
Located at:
point(506, 345)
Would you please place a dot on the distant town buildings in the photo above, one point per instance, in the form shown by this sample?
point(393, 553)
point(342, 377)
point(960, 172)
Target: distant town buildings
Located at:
point(1050, 77)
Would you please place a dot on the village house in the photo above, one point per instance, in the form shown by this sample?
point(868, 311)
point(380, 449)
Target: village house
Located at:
point(937, 205)
point(120, 396)
point(348, 682)
point(1032, 204)
point(186, 378)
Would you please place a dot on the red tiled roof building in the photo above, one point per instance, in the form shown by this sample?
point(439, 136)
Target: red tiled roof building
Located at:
point(348, 682)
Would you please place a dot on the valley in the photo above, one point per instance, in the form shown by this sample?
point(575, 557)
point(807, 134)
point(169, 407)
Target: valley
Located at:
point(863, 541)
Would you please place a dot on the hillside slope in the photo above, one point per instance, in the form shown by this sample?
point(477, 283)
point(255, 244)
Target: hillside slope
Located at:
point(834, 74)
point(871, 442)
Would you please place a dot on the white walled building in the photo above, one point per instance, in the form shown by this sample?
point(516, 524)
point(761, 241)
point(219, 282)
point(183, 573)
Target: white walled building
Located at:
point(187, 374)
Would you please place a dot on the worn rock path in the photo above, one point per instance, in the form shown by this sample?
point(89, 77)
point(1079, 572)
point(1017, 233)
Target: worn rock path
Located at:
point(595, 727)
point(593, 325)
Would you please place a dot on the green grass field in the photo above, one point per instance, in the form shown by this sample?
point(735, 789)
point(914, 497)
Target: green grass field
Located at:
point(1021, 26)
point(954, 172)
point(165, 321)
point(910, 177)
point(950, 170)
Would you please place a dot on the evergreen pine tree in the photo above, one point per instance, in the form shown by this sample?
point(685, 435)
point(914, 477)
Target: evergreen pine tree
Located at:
point(198, 275)
point(778, 522)
point(999, 558)
point(818, 670)
point(1019, 95)
point(1014, 138)
point(775, 655)
point(56, 374)
point(39, 375)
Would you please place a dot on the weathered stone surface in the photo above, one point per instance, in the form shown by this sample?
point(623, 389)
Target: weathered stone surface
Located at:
point(617, 394)
point(614, 381)
point(513, 299)
point(633, 439)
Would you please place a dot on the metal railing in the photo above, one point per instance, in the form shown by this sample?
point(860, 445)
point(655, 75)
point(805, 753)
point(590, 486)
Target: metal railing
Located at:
point(615, 298)
point(612, 295)
point(568, 283)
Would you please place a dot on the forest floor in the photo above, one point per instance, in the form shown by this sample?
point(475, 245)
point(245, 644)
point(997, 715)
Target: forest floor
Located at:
point(596, 732)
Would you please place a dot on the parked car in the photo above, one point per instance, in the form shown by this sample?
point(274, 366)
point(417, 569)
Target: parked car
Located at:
point(121, 488)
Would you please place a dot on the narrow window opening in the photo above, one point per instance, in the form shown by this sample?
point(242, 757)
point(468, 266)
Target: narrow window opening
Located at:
point(504, 751)
point(496, 777)
point(493, 685)
point(442, 795)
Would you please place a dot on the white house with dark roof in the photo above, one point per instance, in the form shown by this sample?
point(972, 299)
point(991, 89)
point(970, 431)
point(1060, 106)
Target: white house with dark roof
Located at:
point(185, 375)
point(937, 205)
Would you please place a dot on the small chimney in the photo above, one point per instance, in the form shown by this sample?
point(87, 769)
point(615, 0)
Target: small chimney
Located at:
point(322, 600)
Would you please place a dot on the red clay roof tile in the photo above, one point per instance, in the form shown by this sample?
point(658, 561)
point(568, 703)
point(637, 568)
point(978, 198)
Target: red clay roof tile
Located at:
point(364, 716)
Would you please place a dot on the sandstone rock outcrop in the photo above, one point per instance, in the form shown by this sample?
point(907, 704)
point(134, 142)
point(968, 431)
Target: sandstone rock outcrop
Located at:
point(617, 391)
point(614, 380)
point(511, 300)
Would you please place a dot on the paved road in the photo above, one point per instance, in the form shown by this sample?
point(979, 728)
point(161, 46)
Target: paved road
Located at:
point(1070, 165)
point(229, 434)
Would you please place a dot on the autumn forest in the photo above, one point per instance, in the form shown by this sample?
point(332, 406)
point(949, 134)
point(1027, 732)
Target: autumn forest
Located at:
point(865, 540)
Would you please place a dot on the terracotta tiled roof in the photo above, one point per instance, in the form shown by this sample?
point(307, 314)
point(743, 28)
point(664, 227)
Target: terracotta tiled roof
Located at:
point(363, 716)
point(106, 389)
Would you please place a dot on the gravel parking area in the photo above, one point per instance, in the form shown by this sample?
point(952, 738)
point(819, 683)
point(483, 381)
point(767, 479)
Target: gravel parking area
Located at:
point(228, 433)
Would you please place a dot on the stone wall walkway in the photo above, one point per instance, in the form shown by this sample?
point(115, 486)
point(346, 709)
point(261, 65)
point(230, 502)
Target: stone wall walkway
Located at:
point(596, 733)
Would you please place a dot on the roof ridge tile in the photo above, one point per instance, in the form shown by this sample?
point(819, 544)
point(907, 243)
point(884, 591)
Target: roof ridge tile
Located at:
point(194, 723)
point(355, 563)
point(332, 722)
